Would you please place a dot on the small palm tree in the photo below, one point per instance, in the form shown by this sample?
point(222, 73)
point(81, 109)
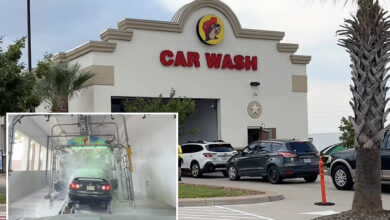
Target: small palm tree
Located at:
point(366, 37)
point(61, 82)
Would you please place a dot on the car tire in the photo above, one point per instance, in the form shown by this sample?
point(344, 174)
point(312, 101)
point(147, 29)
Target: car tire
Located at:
point(233, 173)
point(225, 173)
point(311, 178)
point(273, 175)
point(342, 178)
point(195, 170)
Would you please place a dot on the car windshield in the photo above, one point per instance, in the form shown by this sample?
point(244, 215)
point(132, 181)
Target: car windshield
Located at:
point(220, 148)
point(301, 147)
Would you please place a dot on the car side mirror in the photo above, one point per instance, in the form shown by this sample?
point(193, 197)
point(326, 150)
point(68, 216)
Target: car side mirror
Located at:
point(250, 152)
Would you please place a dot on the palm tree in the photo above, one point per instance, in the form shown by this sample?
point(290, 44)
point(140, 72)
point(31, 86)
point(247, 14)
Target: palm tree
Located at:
point(366, 37)
point(61, 82)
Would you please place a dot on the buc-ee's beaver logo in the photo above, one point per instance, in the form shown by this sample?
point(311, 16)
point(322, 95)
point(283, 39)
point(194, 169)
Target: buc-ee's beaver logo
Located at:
point(210, 30)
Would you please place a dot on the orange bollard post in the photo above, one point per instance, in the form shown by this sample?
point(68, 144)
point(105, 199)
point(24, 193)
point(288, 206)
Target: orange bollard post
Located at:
point(323, 194)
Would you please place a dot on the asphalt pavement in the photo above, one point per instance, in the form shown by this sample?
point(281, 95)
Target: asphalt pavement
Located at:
point(298, 203)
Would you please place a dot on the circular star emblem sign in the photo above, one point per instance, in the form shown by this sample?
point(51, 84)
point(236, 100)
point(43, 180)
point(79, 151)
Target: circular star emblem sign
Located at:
point(254, 109)
point(210, 30)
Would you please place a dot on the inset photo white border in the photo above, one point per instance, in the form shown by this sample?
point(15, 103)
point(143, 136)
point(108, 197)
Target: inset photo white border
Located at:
point(35, 190)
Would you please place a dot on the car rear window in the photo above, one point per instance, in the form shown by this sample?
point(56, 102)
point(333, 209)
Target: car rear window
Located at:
point(301, 147)
point(220, 148)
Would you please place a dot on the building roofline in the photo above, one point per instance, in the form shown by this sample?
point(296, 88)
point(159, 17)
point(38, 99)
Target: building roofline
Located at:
point(181, 16)
point(176, 25)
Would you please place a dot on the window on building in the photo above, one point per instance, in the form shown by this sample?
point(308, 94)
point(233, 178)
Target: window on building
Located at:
point(20, 151)
point(42, 158)
point(34, 155)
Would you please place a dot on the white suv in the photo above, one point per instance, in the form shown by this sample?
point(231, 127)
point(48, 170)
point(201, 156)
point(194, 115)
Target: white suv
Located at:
point(206, 156)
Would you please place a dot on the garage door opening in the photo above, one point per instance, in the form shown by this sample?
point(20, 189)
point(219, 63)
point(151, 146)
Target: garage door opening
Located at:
point(202, 125)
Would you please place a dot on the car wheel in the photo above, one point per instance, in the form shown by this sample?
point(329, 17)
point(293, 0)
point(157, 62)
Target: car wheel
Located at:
point(274, 175)
point(311, 178)
point(232, 172)
point(195, 170)
point(225, 173)
point(342, 178)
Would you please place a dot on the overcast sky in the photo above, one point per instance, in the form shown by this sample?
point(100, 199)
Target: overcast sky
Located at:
point(59, 25)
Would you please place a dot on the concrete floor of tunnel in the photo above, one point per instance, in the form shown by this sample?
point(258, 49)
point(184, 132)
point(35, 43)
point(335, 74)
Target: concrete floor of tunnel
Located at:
point(36, 206)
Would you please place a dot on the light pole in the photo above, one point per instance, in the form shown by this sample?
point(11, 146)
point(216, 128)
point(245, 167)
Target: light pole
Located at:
point(29, 36)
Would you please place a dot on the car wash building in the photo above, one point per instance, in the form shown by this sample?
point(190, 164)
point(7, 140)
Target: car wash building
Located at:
point(240, 79)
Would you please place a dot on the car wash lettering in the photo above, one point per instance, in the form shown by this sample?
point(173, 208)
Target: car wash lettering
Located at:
point(213, 60)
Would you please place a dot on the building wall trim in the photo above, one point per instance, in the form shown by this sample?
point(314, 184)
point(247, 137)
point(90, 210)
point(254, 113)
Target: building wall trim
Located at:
point(104, 75)
point(299, 83)
point(286, 47)
point(91, 46)
point(300, 59)
point(182, 15)
point(176, 25)
point(116, 34)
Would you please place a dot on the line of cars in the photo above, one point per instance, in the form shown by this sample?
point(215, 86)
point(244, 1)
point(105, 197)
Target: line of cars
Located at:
point(278, 159)
point(272, 159)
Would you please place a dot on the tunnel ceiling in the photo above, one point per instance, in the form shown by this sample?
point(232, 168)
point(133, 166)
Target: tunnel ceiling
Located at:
point(46, 125)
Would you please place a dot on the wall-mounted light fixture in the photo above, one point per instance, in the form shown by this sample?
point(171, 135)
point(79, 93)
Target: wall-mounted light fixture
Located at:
point(255, 83)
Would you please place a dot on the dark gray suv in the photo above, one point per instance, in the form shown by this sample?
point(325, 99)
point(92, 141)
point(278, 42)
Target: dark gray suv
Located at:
point(276, 160)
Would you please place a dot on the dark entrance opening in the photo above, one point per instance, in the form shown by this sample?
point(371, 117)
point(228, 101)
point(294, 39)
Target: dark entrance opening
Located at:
point(253, 134)
point(202, 125)
point(266, 133)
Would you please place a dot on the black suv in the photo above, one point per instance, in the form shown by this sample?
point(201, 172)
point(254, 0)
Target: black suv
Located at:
point(276, 159)
point(343, 165)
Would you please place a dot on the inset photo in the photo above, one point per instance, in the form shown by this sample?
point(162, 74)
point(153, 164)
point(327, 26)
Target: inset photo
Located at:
point(94, 166)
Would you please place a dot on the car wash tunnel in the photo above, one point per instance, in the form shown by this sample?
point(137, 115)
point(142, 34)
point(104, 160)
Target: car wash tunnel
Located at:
point(116, 166)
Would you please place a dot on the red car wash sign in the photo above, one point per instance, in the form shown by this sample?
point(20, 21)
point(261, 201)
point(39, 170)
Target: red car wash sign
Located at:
point(210, 30)
point(214, 61)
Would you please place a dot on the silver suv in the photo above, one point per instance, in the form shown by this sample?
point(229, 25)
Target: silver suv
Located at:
point(206, 156)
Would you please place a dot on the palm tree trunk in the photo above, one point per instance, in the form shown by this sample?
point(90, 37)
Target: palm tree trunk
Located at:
point(367, 197)
point(63, 105)
point(367, 40)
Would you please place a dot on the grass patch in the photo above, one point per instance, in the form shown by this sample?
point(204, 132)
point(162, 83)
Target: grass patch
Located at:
point(196, 191)
point(2, 197)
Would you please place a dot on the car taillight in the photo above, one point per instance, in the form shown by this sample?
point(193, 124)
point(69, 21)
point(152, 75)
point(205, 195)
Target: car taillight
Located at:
point(74, 186)
point(208, 155)
point(106, 187)
point(287, 154)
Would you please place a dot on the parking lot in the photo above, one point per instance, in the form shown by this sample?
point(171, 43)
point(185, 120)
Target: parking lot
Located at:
point(298, 203)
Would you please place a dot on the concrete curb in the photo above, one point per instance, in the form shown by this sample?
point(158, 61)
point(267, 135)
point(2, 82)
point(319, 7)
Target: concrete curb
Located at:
point(236, 200)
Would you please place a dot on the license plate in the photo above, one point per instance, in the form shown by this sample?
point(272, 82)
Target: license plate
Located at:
point(92, 188)
point(307, 160)
point(222, 159)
